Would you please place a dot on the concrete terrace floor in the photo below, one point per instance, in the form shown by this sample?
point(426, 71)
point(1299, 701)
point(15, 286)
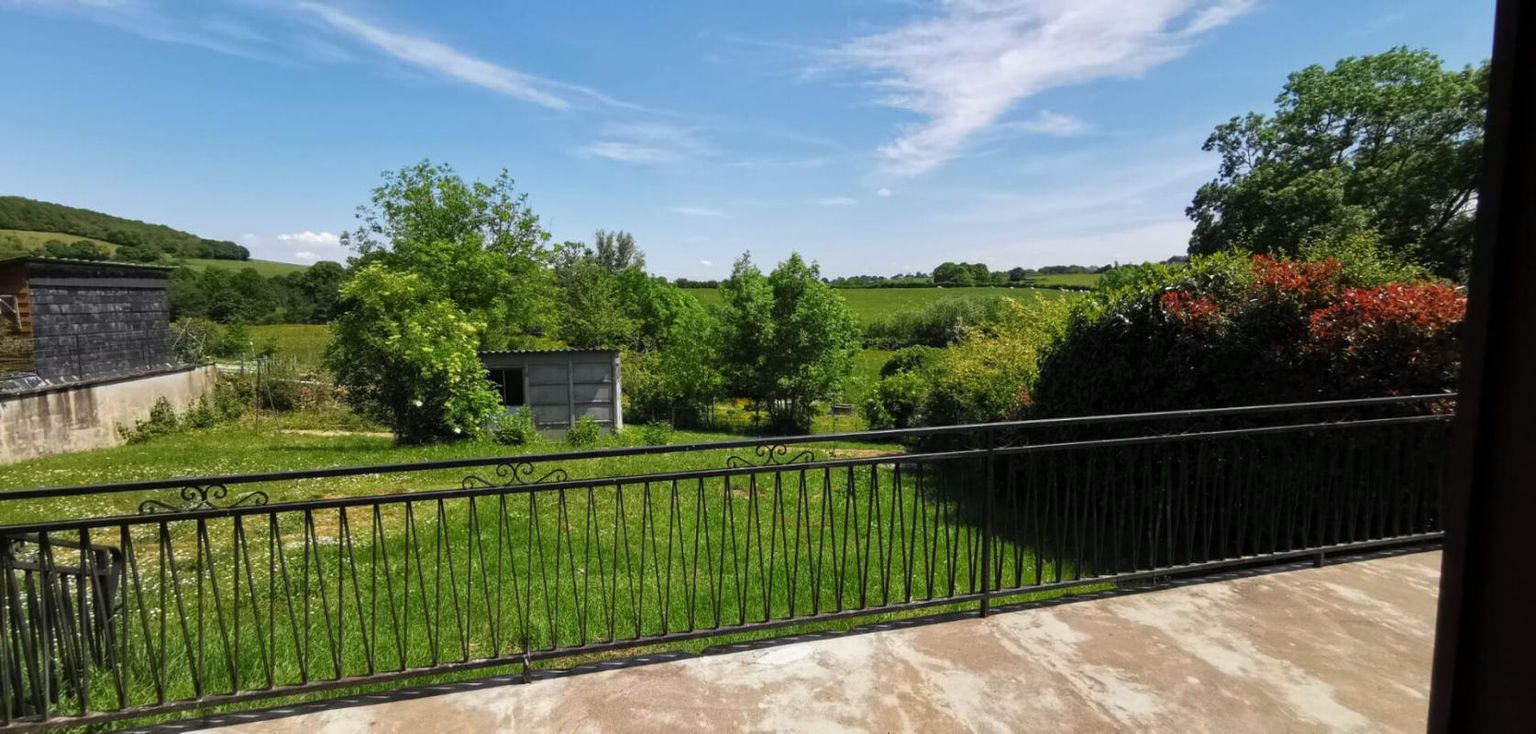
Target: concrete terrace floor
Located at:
point(1342, 648)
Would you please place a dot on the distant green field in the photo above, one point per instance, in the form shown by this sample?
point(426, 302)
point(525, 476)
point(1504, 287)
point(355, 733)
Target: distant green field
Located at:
point(36, 240)
point(263, 267)
point(305, 343)
point(871, 304)
point(1076, 280)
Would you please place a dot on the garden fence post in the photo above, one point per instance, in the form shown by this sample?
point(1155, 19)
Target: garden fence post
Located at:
point(986, 527)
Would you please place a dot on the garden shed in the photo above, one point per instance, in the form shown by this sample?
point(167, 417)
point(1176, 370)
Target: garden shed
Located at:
point(67, 321)
point(559, 386)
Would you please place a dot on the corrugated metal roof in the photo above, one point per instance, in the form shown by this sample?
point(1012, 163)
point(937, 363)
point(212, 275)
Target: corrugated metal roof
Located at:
point(76, 261)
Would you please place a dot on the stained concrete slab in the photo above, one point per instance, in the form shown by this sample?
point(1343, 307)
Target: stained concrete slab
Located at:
point(1340, 648)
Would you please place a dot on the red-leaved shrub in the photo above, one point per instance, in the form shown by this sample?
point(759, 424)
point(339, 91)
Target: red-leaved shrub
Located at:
point(1230, 330)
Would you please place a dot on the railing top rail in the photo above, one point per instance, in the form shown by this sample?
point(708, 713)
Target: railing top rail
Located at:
point(877, 436)
point(432, 495)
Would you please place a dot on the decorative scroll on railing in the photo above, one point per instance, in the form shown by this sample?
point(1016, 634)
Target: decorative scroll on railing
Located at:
point(776, 454)
point(203, 497)
point(514, 474)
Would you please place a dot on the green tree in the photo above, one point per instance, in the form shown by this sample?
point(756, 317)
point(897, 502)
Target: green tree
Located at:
point(675, 377)
point(789, 339)
point(322, 283)
point(616, 251)
point(954, 274)
point(407, 357)
point(478, 245)
point(1388, 144)
point(591, 312)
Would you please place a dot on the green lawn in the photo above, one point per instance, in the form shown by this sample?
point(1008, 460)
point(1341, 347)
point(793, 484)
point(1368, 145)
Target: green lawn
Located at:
point(304, 343)
point(346, 591)
point(266, 268)
point(870, 304)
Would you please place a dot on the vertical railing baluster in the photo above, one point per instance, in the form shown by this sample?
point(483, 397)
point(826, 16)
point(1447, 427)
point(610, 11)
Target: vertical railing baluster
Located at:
point(988, 501)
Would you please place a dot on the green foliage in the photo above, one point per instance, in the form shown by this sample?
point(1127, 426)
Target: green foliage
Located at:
point(226, 295)
point(584, 432)
point(789, 340)
point(196, 339)
point(910, 359)
point(592, 312)
point(675, 375)
point(513, 428)
point(988, 374)
point(235, 342)
point(407, 357)
point(616, 251)
point(162, 421)
point(966, 274)
point(478, 246)
point(1389, 143)
point(227, 403)
point(136, 241)
point(985, 376)
point(936, 324)
point(656, 434)
point(897, 400)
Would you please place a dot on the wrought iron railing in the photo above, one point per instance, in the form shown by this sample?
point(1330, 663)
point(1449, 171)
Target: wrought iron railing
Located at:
point(218, 590)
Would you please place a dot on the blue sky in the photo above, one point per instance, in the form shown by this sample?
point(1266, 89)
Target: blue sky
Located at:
point(872, 136)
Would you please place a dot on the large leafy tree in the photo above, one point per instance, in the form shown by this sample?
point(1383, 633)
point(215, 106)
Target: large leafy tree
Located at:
point(477, 244)
point(789, 339)
point(1385, 145)
point(407, 357)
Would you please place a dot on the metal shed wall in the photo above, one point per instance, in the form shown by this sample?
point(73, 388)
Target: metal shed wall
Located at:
point(560, 387)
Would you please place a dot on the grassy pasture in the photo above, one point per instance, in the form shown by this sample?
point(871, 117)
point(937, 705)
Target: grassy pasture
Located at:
point(1075, 280)
point(36, 240)
point(303, 343)
point(266, 268)
point(872, 304)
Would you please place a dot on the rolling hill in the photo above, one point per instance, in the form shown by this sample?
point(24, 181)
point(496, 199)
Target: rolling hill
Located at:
point(30, 220)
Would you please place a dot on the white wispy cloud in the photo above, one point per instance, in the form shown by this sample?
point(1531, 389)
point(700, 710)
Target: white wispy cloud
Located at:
point(147, 20)
point(647, 144)
point(835, 201)
point(305, 255)
point(883, 192)
point(696, 211)
point(706, 263)
point(789, 163)
point(288, 31)
point(322, 239)
point(1047, 122)
point(430, 55)
point(966, 67)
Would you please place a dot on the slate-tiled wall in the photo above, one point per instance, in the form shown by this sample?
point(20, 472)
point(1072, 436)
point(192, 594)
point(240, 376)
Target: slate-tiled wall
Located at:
point(83, 331)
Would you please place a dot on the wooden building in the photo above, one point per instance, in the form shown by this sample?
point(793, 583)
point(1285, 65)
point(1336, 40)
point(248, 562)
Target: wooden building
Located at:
point(560, 386)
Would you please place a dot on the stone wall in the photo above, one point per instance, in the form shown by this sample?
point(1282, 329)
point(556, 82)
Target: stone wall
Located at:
point(86, 416)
